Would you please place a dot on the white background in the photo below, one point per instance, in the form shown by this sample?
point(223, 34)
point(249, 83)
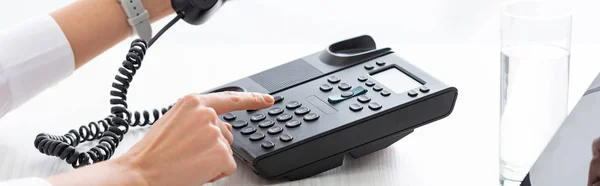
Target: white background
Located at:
point(455, 40)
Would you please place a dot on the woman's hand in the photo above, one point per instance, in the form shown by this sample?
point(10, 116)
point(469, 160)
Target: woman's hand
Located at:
point(189, 145)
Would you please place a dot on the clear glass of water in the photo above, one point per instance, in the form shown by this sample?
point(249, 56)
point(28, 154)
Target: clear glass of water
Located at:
point(536, 39)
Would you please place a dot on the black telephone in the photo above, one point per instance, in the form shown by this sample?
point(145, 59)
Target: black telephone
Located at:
point(349, 99)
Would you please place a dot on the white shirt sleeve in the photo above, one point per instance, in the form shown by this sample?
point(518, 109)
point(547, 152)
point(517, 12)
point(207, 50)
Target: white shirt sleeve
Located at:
point(34, 55)
point(29, 181)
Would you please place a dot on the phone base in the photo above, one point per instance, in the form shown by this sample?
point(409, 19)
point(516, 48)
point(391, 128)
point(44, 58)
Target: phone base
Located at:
point(337, 160)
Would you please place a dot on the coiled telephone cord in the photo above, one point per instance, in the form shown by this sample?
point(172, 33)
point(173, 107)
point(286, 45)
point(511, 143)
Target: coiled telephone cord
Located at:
point(110, 130)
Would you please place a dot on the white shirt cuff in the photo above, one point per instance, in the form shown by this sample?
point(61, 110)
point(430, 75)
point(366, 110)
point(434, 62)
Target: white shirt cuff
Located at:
point(30, 181)
point(35, 55)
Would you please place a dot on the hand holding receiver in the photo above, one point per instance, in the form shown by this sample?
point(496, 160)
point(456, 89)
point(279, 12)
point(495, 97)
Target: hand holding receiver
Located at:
point(196, 12)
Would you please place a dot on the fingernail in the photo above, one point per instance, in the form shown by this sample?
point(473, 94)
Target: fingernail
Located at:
point(268, 98)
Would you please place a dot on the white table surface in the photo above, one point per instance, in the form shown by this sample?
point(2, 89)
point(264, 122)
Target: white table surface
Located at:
point(455, 41)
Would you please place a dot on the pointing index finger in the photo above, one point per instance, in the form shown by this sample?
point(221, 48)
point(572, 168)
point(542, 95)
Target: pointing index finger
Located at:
point(229, 101)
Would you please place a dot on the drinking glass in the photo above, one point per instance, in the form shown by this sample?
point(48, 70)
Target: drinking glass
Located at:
point(535, 57)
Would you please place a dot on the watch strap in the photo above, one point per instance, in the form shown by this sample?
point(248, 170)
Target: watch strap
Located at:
point(138, 18)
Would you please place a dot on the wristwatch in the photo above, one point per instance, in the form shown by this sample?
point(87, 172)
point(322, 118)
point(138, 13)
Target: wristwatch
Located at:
point(138, 18)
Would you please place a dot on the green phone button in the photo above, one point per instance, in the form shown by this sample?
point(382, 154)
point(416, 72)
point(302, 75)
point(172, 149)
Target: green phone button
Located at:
point(347, 95)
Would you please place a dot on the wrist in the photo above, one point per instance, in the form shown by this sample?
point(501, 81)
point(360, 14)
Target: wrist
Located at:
point(158, 9)
point(112, 172)
point(131, 170)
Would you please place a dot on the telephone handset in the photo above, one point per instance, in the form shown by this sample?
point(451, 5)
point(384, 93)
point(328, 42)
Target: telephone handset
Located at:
point(110, 130)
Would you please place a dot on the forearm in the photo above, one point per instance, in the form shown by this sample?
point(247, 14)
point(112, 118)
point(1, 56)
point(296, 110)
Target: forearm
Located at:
point(94, 26)
point(111, 172)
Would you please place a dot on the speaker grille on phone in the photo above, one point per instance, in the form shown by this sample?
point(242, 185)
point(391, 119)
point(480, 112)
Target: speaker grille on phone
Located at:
point(286, 75)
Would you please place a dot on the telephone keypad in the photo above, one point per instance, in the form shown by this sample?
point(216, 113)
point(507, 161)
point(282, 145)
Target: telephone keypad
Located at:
point(269, 121)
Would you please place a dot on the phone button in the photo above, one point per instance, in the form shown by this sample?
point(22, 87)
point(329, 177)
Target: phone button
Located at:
point(293, 123)
point(355, 107)
point(257, 117)
point(239, 124)
point(284, 117)
point(267, 144)
point(286, 138)
point(248, 130)
point(374, 106)
point(275, 111)
point(333, 79)
point(311, 117)
point(257, 136)
point(386, 93)
point(275, 130)
point(363, 99)
point(293, 105)
point(266, 124)
point(278, 98)
point(229, 116)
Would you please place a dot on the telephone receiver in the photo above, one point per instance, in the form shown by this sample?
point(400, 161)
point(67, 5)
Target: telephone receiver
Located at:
point(196, 12)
